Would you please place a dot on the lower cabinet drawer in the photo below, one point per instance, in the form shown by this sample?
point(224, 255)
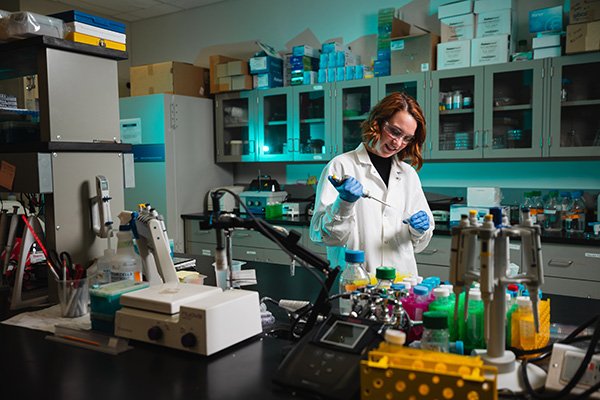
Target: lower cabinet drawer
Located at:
point(571, 287)
point(248, 253)
point(578, 262)
point(202, 249)
point(193, 233)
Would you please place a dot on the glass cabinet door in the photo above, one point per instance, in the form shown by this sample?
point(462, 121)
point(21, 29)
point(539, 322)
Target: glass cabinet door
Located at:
point(513, 109)
point(312, 123)
point(457, 121)
point(235, 130)
point(413, 85)
point(274, 125)
point(353, 102)
point(575, 106)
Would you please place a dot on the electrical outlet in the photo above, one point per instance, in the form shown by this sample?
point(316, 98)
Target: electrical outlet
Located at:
point(564, 363)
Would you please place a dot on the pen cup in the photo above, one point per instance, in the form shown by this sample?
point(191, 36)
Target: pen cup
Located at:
point(73, 297)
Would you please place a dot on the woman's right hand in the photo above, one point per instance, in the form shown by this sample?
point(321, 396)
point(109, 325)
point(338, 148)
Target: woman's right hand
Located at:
point(349, 188)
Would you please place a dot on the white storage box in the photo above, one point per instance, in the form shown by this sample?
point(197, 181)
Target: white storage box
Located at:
point(490, 50)
point(494, 23)
point(461, 27)
point(482, 6)
point(455, 54)
point(546, 52)
point(484, 196)
point(546, 41)
point(453, 9)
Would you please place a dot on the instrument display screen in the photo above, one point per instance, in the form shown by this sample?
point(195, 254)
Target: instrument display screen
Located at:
point(344, 334)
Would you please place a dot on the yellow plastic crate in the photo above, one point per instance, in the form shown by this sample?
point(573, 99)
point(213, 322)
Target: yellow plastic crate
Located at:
point(406, 373)
point(95, 41)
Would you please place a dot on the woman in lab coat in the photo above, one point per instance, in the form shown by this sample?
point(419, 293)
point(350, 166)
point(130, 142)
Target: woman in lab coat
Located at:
point(395, 131)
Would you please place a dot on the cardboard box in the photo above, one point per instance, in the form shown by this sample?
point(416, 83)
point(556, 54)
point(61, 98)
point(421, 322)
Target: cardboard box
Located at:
point(490, 50)
point(461, 27)
point(241, 82)
point(267, 81)
point(453, 9)
point(497, 22)
point(584, 11)
point(237, 68)
point(169, 77)
point(214, 61)
point(266, 64)
point(222, 70)
point(482, 6)
point(456, 54)
point(583, 37)
point(399, 28)
point(415, 53)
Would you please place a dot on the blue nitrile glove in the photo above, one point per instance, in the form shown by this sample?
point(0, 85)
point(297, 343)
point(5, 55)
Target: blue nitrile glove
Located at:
point(349, 188)
point(419, 221)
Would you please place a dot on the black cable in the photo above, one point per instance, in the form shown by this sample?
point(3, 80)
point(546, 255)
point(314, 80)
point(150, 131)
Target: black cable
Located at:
point(264, 231)
point(578, 374)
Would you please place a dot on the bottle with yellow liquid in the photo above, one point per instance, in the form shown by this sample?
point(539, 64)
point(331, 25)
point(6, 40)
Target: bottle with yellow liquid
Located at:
point(522, 326)
point(354, 277)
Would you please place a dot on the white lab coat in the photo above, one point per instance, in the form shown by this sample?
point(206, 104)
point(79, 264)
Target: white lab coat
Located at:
point(366, 224)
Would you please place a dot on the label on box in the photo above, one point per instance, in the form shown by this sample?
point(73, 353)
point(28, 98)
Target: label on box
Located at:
point(397, 45)
point(494, 23)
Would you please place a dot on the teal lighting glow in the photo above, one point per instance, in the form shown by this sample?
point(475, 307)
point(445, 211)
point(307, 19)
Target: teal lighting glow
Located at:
point(265, 149)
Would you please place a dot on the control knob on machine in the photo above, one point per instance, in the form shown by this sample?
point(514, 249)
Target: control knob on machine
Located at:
point(155, 333)
point(188, 340)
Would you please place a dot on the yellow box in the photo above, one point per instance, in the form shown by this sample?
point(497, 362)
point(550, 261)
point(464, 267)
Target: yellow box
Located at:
point(169, 77)
point(95, 41)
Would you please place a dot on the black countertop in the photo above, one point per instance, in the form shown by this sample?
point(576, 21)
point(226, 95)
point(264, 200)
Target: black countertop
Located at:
point(585, 239)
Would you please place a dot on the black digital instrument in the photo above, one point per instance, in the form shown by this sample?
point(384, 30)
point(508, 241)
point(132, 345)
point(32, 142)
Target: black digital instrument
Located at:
point(326, 360)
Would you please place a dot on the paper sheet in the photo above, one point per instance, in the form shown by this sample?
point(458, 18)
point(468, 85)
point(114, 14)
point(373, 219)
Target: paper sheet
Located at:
point(47, 318)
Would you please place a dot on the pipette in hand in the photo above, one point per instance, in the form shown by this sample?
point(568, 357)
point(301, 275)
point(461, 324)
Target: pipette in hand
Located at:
point(337, 182)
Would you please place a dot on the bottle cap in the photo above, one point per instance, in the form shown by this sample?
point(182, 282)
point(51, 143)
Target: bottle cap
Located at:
point(385, 273)
point(474, 295)
point(440, 292)
point(447, 286)
point(420, 290)
point(395, 336)
point(356, 256)
point(513, 288)
point(397, 286)
point(576, 194)
point(435, 319)
point(523, 301)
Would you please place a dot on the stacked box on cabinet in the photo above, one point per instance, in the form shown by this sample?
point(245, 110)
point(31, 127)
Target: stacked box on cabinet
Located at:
point(414, 53)
point(546, 24)
point(338, 63)
point(267, 71)
point(303, 65)
point(495, 32)
point(94, 30)
point(231, 75)
point(169, 77)
point(583, 33)
point(388, 26)
point(457, 27)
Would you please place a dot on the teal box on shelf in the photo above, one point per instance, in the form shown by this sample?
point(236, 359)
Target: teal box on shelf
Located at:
point(546, 19)
point(265, 64)
point(106, 299)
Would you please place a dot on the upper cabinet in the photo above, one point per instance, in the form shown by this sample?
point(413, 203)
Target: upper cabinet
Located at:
point(59, 91)
point(493, 111)
point(529, 109)
point(235, 124)
point(574, 106)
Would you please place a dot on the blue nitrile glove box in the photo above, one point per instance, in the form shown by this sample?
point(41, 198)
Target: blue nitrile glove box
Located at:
point(265, 64)
point(546, 19)
point(94, 20)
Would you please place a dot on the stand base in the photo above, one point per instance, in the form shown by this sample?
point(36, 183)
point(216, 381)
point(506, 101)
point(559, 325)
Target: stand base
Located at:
point(509, 372)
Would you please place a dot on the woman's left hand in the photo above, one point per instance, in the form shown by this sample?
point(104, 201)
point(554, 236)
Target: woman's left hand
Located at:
point(419, 221)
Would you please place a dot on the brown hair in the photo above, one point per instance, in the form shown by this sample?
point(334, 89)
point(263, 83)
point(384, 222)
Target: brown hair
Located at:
point(383, 111)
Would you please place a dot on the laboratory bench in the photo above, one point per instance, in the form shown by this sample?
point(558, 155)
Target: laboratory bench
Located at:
point(39, 368)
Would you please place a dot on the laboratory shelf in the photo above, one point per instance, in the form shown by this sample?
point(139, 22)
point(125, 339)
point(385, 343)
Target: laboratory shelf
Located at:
point(459, 111)
point(356, 118)
point(238, 125)
point(312, 121)
point(276, 123)
point(519, 107)
point(578, 103)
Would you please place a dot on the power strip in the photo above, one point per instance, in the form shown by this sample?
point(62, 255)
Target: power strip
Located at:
point(564, 363)
point(9, 204)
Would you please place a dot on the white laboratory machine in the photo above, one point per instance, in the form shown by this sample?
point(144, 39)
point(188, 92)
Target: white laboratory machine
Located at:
point(194, 318)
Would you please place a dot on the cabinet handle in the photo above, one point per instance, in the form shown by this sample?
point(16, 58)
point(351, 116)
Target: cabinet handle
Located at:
point(252, 150)
point(549, 140)
point(476, 140)
point(290, 145)
point(429, 252)
point(560, 263)
point(484, 142)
